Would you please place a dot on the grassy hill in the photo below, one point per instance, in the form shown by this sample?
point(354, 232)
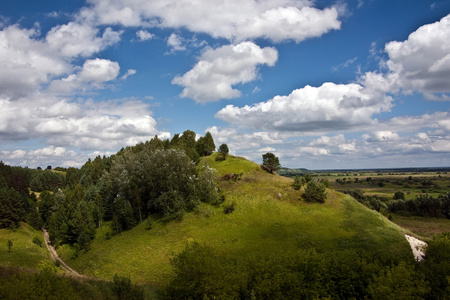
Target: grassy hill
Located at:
point(24, 253)
point(268, 218)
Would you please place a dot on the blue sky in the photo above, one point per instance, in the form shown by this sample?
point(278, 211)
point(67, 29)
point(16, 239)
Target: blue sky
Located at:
point(322, 84)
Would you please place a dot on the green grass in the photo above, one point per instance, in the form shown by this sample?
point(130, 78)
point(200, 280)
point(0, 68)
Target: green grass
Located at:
point(24, 253)
point(425, 228)
point(268, 219)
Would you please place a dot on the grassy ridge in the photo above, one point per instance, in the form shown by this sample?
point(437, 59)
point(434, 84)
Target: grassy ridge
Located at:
point(268, 219)
point(24, 253)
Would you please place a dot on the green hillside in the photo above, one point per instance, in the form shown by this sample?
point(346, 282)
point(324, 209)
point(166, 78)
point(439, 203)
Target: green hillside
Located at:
point(269, 218)
point(24, 253)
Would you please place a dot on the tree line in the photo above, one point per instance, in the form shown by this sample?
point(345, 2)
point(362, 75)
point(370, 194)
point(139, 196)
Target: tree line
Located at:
point(422, 205)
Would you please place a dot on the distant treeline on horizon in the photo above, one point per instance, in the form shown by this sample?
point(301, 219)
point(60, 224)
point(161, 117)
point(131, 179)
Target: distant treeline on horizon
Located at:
point(288, 171)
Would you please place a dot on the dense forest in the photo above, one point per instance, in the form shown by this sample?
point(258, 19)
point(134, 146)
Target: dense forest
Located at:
point(157, 178)
point(162, 180)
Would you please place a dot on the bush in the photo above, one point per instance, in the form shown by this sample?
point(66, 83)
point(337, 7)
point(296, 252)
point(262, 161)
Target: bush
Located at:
point(399, 196)
point(229, 208)
point(315, 192)
point(298, 182)
point(37, 240)
point(123, 289)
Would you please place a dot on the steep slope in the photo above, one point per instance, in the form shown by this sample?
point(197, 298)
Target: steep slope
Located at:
point(268, 218)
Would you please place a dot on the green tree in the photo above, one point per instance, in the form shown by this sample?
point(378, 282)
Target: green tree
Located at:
point(398, 282)
point(399, 196)
point(223, 150)
point(270, 162)
point(205, 145)
point(210, 146)
point(436, 266)
point(11, 208)
point(298, 182)
point(315, 192)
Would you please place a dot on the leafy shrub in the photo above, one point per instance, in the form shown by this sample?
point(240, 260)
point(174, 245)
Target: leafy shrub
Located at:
point(229, 208)
point(45, 285)
point(37, 240)
point(298, 182)
point(124, 290)
point(315, 192)
point(399, 196)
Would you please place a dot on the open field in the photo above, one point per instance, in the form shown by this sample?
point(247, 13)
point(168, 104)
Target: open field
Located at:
point(425, 228)
point(268, 219)
point(385, 184)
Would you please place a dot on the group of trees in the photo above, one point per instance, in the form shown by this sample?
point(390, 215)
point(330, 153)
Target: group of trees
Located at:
point(158, 178)
point(16, 204)
point(202, 272)
point(423, 206)
point(374, 202)
point(154, 181)
point(314, 191)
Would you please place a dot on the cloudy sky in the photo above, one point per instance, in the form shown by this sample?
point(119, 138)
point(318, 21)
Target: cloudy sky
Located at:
point(322, 84)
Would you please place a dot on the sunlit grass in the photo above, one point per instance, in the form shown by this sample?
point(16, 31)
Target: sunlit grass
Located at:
point(24, 253)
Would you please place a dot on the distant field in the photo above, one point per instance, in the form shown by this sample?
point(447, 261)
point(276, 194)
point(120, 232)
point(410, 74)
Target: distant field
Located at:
point(268, 219)
point(386, 184)
point(24, 253)
point(423, 227)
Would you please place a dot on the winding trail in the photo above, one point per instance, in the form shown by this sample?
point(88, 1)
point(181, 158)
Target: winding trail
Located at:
point(54, 255)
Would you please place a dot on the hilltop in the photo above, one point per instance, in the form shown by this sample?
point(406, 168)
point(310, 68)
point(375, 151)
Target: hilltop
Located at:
point(268, 219)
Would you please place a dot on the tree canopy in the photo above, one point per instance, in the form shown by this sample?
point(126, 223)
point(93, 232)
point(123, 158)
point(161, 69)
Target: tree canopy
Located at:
point(270, 162)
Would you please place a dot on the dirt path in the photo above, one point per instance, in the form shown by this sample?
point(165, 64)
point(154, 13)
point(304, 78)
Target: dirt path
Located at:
point(54, 255)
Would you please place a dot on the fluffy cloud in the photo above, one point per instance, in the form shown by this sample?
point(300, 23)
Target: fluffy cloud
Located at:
point(329, 107)
point(175, 42)
point(420, 63)
point(219, 69)
point(26, 62)
point(235, 20)
point(75, 39)
point(144, 35)
point(99, 70)
point(86, 125)
point(50, 155)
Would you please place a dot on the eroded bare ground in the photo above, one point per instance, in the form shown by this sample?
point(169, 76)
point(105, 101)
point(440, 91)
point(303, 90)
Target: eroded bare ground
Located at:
point(417, 247)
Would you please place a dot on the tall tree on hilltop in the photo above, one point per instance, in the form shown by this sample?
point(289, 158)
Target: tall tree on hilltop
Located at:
point(270, 162)
point(223, 149)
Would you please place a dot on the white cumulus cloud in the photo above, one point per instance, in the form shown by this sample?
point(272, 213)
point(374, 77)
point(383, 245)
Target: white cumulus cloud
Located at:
point(144, 35)
point(329, 107)
point(419, 64)
point(213, 77)
point(99, 70)
point(236, 20)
